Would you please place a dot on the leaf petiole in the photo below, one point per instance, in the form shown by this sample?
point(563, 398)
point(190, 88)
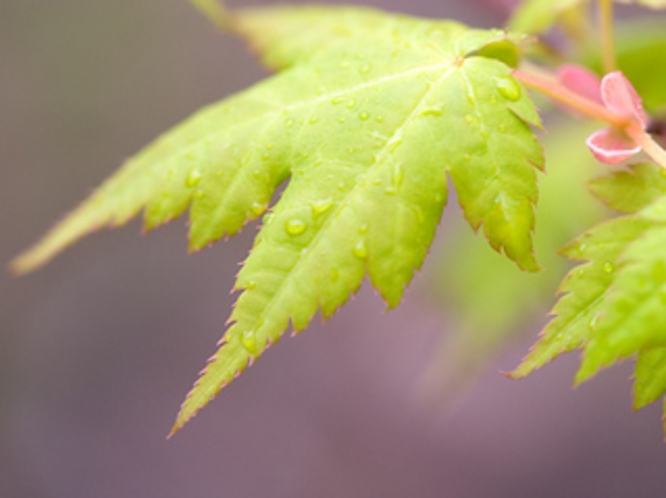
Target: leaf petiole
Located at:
point(607, 42)
point(558, 92)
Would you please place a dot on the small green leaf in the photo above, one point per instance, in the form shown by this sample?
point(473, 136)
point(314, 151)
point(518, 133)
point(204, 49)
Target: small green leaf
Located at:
point(585, 290)
point(629, 191)
point(632, 317)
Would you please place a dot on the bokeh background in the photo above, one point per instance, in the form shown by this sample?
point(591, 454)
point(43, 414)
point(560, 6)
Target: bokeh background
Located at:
point(98, 349)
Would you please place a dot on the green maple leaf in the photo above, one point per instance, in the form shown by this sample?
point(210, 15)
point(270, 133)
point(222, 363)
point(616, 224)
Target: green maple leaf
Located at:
point(614, 303)
point(585, 288)
point(369, 115)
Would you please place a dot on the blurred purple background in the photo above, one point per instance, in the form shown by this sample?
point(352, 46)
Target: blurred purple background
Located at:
point(98, 349)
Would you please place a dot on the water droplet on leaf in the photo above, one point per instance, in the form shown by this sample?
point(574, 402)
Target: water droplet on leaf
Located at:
point(432, 112)
point(364, 116)
point(320, 207)
point(360, 251)
point(608, 267)
point(249, 342)
point(193, 178)
point(295, 226)
point(258, 208)
point(508, 88)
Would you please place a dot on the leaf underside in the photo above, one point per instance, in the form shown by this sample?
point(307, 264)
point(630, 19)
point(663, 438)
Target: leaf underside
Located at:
point(369, 117)
point(614, 304)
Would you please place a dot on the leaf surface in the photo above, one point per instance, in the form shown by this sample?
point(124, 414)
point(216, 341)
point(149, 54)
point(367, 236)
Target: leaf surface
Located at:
point(369, 115)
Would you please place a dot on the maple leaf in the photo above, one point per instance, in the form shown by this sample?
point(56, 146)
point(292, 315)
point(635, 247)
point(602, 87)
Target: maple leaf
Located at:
point(368, 116)
point(613, 306)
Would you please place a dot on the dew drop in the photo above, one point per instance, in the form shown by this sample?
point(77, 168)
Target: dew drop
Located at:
point(608, 267)
point(469, 119)
point(313, 119)
point(249, 342)
point(391, 190)
point(363, 228)
point(250, 285)
point(289, 122)
point(258, 208)
point(338, 100)
point(365, 68)
point(320, 207)
point(364, 116)
point(193, 178)
point(360, 251)
point(341, 120)
point(200, 194)
point(379, 119)
point(432, 112)
point(268, 218)
point(508, 88)
point(351, 103)
point(295, 226)
point(265, 156)
point(398, 176)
